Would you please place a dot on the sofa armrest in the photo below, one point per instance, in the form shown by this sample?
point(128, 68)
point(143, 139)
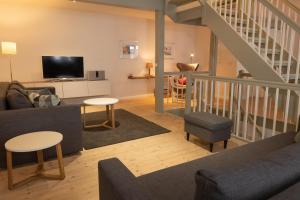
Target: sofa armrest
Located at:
point(63, 119)
point(116, 182)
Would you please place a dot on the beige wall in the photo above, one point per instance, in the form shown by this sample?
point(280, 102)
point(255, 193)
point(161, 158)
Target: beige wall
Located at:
point(48, 30)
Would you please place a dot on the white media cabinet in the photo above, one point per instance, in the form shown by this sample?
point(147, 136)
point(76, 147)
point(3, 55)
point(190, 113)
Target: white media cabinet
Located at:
point(75, 88)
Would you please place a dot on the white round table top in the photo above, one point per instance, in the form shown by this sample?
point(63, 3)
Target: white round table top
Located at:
point(33, 141)
point(101, 101)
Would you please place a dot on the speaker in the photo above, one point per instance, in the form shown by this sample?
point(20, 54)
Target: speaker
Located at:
point(96, 75)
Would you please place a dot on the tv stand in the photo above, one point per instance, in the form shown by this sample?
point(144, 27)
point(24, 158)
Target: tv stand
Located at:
point(75, 88)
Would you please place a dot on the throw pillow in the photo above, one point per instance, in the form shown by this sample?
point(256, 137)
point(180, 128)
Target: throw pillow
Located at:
point(297, 137)
point(17, 100)
point(44, 101)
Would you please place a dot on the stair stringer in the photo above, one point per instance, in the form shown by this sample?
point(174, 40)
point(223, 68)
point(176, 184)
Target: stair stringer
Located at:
point(239, 47)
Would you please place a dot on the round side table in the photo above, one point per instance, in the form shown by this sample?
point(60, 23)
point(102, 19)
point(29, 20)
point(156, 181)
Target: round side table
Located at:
point(34, 142)
point(110, 112)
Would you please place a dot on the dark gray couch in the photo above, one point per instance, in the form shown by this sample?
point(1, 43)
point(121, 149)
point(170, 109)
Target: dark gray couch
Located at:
point(65, 119)
point(226, 175)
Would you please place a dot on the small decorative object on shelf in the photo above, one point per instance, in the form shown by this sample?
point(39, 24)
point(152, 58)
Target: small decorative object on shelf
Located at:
point(130, 76)
point(149, 66)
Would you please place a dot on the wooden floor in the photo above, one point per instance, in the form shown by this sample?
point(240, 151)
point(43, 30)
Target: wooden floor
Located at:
point(140, 156)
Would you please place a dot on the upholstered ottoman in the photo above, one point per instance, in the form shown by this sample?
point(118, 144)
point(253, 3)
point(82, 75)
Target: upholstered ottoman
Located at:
point(208, 127)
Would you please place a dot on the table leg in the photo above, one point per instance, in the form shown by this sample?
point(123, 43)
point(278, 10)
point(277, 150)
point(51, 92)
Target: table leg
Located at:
point(40, 157)
point(113, 122)
point(107, 113)
point(60, 161)
point(84, 122)
point(9, 169)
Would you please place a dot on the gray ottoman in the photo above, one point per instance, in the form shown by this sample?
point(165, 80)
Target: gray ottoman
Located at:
point(208, 127)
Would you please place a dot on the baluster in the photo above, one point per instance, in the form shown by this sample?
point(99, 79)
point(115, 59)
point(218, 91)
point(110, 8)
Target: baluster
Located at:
point(286, 113)
point(275, 41)
point(224, 98)
point(255, 113)
point(248, 20)
point(225, 11)
point(194, 96)
point(206, 95)
point(200, 97)
point(211, 96)
point(231, 100)
point(218, 97)
point(239, 109)
point(268, 35)
point(275, 112)
point(247, 111)
point(236, 15)
point(265, 108)
point(254, 22)
point(282, 47)
point(220, 7)
point(291, 46)
point(242, 17)
point(260, 28)
point(230, 17)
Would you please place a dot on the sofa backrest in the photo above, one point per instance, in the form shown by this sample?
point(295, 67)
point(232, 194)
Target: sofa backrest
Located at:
point(3, 90)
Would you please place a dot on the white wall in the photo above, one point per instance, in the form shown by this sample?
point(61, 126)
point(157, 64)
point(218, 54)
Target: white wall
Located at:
point(44, 30)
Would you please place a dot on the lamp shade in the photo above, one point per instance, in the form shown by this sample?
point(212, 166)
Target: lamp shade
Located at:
point(8, 48)
point(149, 65)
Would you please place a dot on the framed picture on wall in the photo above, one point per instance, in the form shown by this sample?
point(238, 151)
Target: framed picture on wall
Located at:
point(169, 50)
point(129, 49)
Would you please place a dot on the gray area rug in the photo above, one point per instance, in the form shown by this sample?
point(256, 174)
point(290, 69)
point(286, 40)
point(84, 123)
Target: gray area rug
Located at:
point(128, 127)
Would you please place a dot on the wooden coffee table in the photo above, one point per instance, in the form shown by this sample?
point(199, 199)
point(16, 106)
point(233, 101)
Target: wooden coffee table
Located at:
point(31, 142)
point(110, 112)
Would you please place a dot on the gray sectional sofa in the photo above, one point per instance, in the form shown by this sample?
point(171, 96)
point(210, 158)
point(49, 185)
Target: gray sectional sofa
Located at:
point(65, 119)
point(268, 169)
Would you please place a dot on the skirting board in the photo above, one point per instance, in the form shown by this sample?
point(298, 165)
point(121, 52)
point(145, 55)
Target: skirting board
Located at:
point(136, 96)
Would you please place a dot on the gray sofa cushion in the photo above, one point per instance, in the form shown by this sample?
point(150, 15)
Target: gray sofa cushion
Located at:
point(209, 121)
point(17, 100)
point(178, 182)
point(292, 193)
point(257, 179)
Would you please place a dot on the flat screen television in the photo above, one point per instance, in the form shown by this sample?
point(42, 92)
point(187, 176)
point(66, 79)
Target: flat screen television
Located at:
point(62, 67)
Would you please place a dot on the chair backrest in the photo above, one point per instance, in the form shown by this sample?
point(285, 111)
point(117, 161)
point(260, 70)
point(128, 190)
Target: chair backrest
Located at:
point(187, 67)
point(3, 90)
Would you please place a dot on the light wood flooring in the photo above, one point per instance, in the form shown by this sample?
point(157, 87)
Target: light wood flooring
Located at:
point(140, 156)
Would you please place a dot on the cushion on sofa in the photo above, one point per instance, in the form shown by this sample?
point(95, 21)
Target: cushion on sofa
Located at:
point(17, 100)
point(258, 179)
point(208, 121)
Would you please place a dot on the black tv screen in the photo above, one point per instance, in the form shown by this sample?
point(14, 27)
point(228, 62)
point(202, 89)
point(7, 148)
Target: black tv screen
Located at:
point(62, 67)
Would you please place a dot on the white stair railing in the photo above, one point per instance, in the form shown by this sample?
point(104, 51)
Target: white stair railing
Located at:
point(288, 8)
point(259, 109)
point(273, 35)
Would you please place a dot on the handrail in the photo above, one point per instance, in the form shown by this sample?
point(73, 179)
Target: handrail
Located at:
point(282, 16)
point(222, 92)
point(291, 5)
point(285, 86)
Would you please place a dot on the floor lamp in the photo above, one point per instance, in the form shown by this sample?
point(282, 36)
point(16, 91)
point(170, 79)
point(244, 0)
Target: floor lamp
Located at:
point(10, 49)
